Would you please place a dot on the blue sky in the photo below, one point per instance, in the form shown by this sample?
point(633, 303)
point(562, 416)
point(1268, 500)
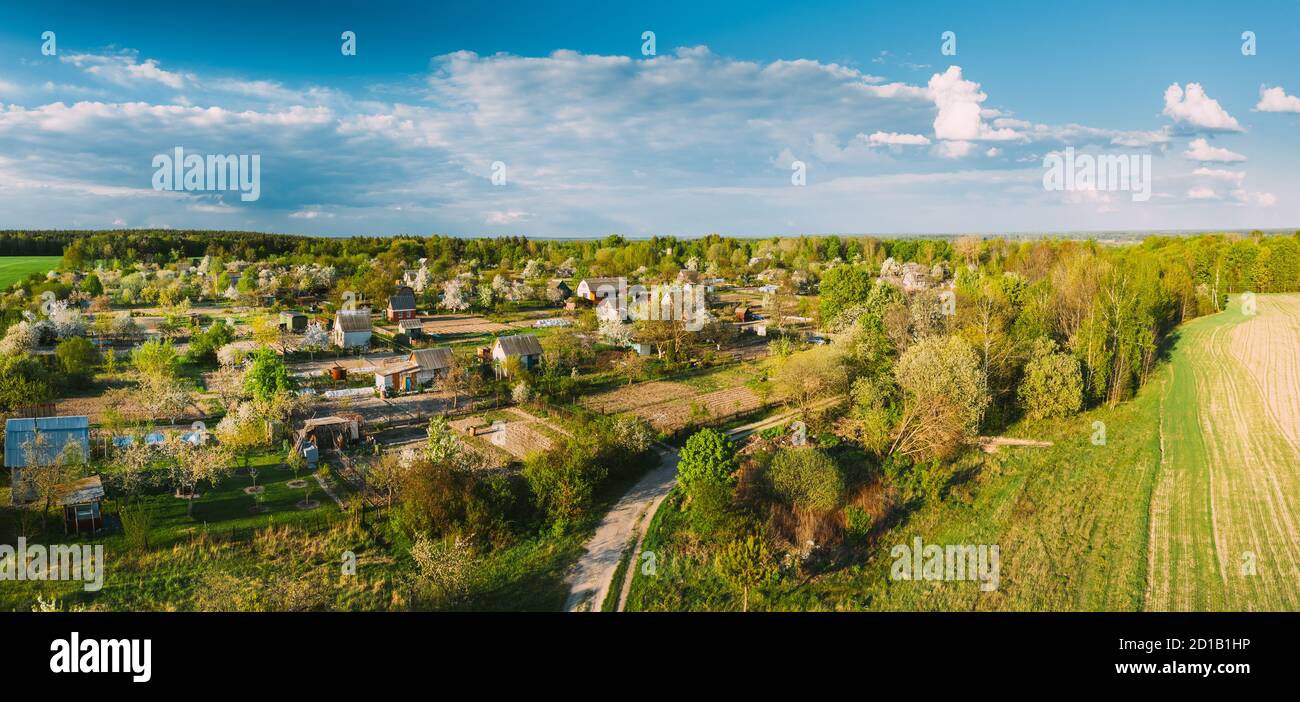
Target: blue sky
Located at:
point(596, 138)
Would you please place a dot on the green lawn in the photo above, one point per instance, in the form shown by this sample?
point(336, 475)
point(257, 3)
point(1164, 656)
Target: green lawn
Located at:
point(15, 268)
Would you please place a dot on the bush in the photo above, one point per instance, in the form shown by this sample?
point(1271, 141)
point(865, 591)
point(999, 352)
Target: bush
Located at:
point(137, 523)
point(204, 345)
point(563, 482)
point(806, 478)
point(708, 457)
point(857, 523)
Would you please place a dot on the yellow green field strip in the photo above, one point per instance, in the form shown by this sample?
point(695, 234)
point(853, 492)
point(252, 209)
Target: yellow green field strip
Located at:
point(1226, 509)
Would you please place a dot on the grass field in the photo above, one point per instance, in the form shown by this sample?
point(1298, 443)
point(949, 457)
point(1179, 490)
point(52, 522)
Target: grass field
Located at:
point(1191, 502)
point(1225, 516)
point(15, 268)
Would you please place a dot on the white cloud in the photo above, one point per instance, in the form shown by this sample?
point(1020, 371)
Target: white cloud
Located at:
point(1196, 108)
point(1200, 150)
point(953, 149)
point(1276, 100)
point(311, 213)
point(1202, 193)
point(894, 138)
point(507, 217)
point(959, 117)
point(123, 69)
point(1258, 199)
point(1221, 174)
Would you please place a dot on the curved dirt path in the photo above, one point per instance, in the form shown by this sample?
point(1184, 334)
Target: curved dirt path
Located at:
point(625, 524)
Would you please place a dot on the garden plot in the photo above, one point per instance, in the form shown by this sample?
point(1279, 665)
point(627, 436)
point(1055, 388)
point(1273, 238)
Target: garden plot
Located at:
point(676, 414)
point(630, 397)
point(462, 325)
point(517, 438)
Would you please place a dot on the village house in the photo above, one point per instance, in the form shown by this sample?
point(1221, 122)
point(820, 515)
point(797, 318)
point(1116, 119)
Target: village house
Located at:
point(40, 441)
point(351, 329)
point(401, 305)
point(526, 347)
point(592, 289)
point(419, 369)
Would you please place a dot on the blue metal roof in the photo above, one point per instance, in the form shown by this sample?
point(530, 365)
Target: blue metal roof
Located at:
point(58, 431)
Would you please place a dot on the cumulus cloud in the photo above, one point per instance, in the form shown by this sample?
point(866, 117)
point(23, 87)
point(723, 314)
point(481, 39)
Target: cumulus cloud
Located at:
point(958, 102)
point(1202, 193)
point(1276, 100)
point(1200, 150)
point(1193, 107)
point(953, 149)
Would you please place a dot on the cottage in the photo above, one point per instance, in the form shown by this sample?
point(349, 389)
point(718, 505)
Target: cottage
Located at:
point(80, 500)
point(402, 304)
point(525, 347)
point(399, 376)
point(351, 329)
point(434, 363)
point(39, 442)
point(419, 369)
point(592, 289)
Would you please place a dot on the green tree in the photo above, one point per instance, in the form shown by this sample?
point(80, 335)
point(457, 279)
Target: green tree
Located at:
point(155, 361)
point(708, 457)
point(92, 286)
point(1053, 383)
point(843, 287)
point(205, 344)
point(746, 564)
point(563, 481)
point(78, 359)
point(268, 376)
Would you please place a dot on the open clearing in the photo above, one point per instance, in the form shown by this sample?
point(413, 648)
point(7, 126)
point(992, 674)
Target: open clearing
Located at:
point(1225, 515)
point(15, 268)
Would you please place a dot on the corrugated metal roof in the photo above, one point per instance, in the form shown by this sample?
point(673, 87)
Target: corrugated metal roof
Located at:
point(520, 345)
point(410, 324)
point(57, 432)
point(432, 359)
point(353, 320)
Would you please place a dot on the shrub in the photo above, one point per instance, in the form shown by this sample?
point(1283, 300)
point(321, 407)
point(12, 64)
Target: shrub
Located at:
point(806, 478)
point(857, 523)
point(563, 481)
point(137, 524)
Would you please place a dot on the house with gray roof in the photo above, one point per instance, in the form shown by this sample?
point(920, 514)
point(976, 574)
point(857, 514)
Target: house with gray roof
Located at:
point(351, 329)
point(526, 347)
